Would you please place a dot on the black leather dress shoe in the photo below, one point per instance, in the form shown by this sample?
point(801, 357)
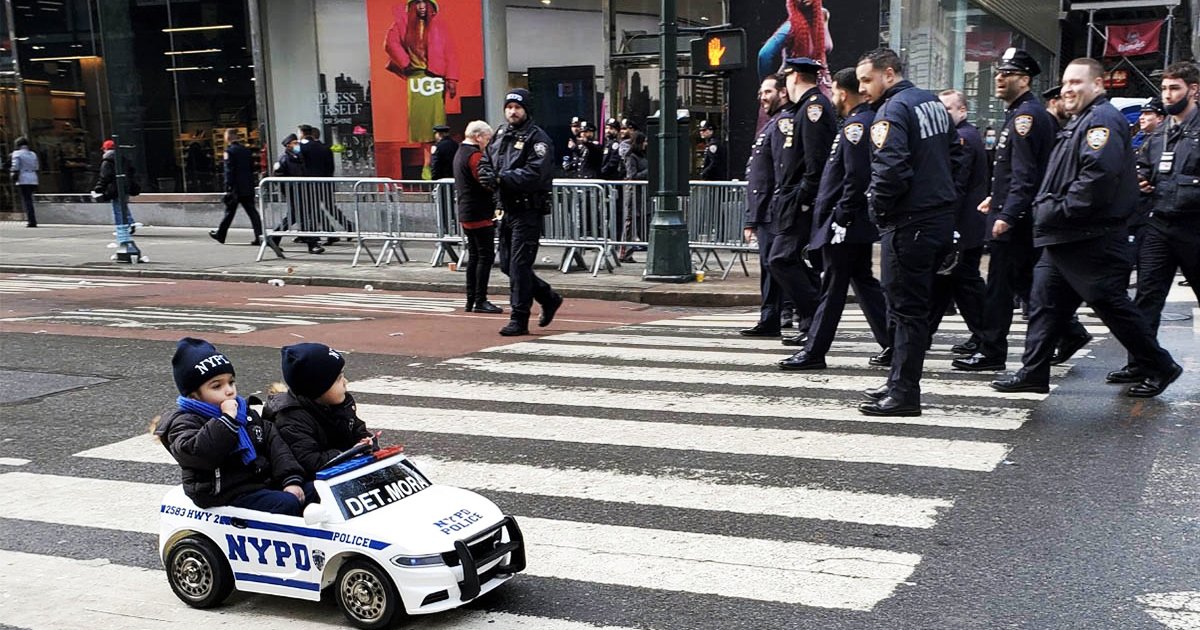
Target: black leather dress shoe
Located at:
point(785, 324)
point(967, 347)
point(216, 237)
point(883, 359)
point(548, 310)
point(888, 406)
point(514, 329)
point(1067, 349)
point(1154, 385)
point(978, 363)
point(876, 393)
point(256, 242)
point(1016, 384)
point(1127, 374)
point(487, 307)
point(759, 331)
point(801, 361)
point(795, 340)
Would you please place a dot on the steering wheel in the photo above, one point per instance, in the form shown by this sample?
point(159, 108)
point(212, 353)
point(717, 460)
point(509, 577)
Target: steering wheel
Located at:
point(349, 454)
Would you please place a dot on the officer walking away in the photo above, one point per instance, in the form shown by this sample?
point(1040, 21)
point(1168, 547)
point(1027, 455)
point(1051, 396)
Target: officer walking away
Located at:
point(23, 163)
point(807, 141)
point(239, 188)
point(476, 210)
point(1080, 213)
point(519, 165)
point(713, 167)
point(760, 185)
point(843, 231)
point(1169, 175)
point(442, 154)
point(912, 199)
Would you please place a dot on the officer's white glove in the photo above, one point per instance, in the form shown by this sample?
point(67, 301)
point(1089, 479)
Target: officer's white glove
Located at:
point(957, 236)
point(839, 234)
point(95, 195)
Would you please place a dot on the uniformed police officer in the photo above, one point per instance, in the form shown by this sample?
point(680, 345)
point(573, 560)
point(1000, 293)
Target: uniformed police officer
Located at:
point(713, 168)
point(959, 280)
point(843, 231)
point(610, 163)
point(519, 164)
point(441, 158)
point(1089, 191)
point(585, 158)
point(806, 144)
point(1053, 99)
point(1169, 175)
point(912, 199)
point(760, 186)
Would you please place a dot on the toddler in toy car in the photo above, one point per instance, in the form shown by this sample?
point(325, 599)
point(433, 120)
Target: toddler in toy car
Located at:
point(228, 454)
point(315, 415)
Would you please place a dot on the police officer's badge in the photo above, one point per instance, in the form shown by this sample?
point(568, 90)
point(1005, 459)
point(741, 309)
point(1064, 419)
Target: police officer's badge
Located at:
point(712, 148)
point(1097, 137)
point(879, 133)
point(854, 132)
point(1022, 124)
point(540, 149)
point(433, 149)
point(814, 112)
point(785, 126)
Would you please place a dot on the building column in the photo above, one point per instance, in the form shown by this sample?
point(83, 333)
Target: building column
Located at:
point(495, 59)
point(288, 29)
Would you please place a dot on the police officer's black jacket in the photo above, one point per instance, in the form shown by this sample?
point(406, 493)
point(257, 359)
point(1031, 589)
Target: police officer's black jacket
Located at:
point(1090, 188)
point(842, 198)
point(213, 473)
point(315, 433)
point(610, 163)
point(713, 168)
point(474, 201)
point(971, 179)
point(912, 175)
point(239, 175)
point(520, 160)
point(289, 165)
point(1022, 152)
point(1170, 161)
point(317, 158)
point(441, 159)
point(586, 159)
point(760, 172)
point(805, 146)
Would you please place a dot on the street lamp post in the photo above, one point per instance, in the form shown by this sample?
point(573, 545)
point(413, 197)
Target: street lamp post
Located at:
point(669, 259)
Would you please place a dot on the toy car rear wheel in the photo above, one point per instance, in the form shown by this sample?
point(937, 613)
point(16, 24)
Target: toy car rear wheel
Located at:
point(198, 573)
point(366, 595)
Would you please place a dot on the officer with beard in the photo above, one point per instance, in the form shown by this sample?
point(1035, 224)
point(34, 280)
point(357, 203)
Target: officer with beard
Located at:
point(760, 186)
point(610, 162)
point(519, 165)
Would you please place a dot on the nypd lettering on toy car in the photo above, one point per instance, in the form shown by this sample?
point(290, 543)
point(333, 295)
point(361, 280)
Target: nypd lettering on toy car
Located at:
point(458, 521)
point(265, 551)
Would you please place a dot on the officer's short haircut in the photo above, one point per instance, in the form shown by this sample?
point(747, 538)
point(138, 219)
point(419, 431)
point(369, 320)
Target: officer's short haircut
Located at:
point(960, 99)
point(847, 80)
point(882, 59)
point(780, 80)
point(1095, 69)
point(1185, 71)
point(307, 130)
point(477, 127)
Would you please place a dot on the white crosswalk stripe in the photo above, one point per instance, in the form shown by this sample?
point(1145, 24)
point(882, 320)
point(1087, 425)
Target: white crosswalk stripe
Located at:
point(42, 284)
point(948, 325)
point(230, 322)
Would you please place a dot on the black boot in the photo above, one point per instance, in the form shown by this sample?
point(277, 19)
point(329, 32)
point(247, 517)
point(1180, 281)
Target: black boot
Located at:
point(315, 248)
point(484, 306)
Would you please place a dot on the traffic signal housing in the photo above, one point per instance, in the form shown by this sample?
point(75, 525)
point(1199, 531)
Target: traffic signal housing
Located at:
point(719, 50)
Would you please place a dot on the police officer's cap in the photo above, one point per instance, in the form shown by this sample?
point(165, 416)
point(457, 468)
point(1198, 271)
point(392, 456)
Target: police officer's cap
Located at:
point(575, 121)
point(584, 125)
point(1052, 93)
point(628, 124)
point(442, 128)
point(1017, 60)
point(803, 64)
point(704, 124)
point(613, 122)
point(1156, 106)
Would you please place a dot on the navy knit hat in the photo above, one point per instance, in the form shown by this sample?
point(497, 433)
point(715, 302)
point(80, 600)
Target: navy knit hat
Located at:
point(521, 97)
point(310, 369)
point(195, 362)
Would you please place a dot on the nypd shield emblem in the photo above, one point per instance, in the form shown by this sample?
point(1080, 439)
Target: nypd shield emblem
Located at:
point(1022, 124)
point(1097, 137)
point(785, 126)
point(540, 149)
point(854, 132)
point(712, 148)
point(318, 558)
point(879, 133)
point(814, 112)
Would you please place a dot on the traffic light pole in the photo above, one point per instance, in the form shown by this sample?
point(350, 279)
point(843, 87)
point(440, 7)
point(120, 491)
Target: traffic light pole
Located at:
point(669, 259)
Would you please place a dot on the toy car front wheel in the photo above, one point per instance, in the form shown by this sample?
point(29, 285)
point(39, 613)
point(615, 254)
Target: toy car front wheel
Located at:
point(366, 595)
point(198, 573)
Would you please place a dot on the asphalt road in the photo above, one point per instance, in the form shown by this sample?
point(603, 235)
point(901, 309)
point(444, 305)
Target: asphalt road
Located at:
point(667, 477)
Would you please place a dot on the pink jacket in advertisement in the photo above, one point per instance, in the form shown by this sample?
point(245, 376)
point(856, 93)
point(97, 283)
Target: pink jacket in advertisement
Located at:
point(404, 41)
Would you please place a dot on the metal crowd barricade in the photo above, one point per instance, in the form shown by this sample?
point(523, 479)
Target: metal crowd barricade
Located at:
point(312, 207)
point(715, 218)
point(630, 212)
point(579, 222)
point(419, 211)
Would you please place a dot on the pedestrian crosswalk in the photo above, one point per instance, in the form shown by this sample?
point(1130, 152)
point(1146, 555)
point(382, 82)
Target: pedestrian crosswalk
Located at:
point(26, 283)
point(200, 320)
point(643, 463)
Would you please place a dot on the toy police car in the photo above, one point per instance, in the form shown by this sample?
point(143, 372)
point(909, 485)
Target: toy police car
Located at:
point(386, 539)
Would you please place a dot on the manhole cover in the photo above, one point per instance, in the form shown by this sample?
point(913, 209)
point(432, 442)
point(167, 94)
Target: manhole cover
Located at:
point(16, 386)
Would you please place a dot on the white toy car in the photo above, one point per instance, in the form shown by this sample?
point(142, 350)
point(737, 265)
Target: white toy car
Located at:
point(383, 536)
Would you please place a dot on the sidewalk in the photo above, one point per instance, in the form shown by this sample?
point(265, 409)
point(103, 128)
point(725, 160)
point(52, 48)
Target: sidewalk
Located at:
point(189, 253)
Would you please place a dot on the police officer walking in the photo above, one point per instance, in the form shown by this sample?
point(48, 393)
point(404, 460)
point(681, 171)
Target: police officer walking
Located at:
point(441, 159)
point(760, 186)
point(806, 142)
point(1080, 211)
point(519, 164)
point(843, 231)
point(1169, 174)
point(912, 199)
point(713, 168)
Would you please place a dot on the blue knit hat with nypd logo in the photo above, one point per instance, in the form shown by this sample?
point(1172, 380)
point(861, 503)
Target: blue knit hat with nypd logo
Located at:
point(195, 362)
point(310, 369)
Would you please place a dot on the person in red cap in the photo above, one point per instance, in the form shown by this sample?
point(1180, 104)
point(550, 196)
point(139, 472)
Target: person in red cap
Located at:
point(106, 190)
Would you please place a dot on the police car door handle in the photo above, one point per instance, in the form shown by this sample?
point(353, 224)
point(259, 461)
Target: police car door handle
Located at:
point(239, 523)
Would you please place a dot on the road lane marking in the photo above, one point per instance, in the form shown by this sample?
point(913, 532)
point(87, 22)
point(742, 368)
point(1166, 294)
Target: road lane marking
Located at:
point(13, 461)
point(844, 325)
point(150, 317)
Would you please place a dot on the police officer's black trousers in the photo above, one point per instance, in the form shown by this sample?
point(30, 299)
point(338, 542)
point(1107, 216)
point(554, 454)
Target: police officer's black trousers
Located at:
point(911, 255)
point(772, 294)
point(1010, 271)
point(231, 206)
point(963, 286)
point(1160, 254)
point(481, 253)
point(519, 234)
point(799, 282)
point(846, 264)
point(1095, 271)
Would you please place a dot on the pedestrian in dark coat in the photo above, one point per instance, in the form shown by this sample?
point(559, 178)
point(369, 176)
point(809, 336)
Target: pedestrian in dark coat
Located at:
point(239, 188)
point(441, 154)
point(476, 213)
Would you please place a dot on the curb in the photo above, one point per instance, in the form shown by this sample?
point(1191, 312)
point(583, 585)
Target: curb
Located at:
point(654, 295)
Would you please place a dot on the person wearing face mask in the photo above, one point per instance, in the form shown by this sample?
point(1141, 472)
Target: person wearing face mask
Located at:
point(1169, 175)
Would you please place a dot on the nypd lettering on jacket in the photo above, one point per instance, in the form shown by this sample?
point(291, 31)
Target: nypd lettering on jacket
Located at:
point(932, 119)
